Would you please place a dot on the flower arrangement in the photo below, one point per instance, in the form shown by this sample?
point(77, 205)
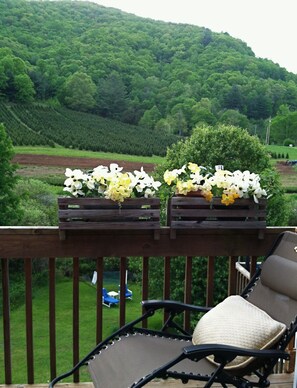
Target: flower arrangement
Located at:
point(189, 178)
point(220, 183)
point(110, 183)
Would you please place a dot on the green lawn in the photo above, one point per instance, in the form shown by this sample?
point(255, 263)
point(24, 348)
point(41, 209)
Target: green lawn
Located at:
point(63, 327)
point(60, 151)
point(282, 150)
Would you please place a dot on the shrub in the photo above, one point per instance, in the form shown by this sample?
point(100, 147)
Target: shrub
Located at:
point(288, 142)
point(9, 198)
point(292, 209)
point(234, 148)
point(38, 204)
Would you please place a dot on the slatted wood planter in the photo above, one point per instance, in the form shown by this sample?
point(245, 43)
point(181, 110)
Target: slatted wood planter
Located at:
point(196, 212)
point(104, 214)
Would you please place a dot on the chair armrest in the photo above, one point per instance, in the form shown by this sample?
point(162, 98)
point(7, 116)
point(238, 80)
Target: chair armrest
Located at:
point(226, 353)
point(170, 305)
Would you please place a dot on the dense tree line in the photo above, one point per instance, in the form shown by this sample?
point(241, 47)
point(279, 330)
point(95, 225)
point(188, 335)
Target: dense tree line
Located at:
point(164, 76)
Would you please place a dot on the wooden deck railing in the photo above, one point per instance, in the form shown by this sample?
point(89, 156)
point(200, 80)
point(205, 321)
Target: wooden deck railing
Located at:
point(28, 243)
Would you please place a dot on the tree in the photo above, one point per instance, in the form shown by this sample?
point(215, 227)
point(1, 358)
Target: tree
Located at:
point(79, 92)
point(112, 96)
point(234, 99)
point(233, 117)
point(180, 123)
point(283, 126)
point(201, 113)
point(223, 144)
point(9, 200)
point(24, 88)
point(150, 118)
point(15, 83)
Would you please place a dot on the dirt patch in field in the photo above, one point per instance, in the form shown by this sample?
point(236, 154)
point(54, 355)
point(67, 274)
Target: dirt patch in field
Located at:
point(56, 164)
point(284, 168)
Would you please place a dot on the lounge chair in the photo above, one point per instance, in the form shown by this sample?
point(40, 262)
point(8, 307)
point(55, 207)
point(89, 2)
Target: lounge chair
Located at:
point(108, 300)
point(128, 293)
point(262, 331)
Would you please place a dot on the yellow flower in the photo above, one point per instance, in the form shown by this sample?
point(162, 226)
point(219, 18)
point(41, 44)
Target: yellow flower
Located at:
point(185, 187)
point(193, 167)
point(119, 188)
point(208, 195)
point(169, 176)
point(227, 199)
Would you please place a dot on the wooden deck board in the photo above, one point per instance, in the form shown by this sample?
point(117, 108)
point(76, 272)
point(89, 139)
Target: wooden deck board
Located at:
point(277, 381)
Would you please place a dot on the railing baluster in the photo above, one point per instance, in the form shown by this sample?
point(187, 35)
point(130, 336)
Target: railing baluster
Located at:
point(243, 277)
point(167, 277)
point(6, 320)
point(253, 265)
point(52, 316)
point(29, 320)
point(188, 290)
point(145, 282)
point(76, 316)
point(232, 275)
point(99, 310)
point(210, 281)
point(123, 268)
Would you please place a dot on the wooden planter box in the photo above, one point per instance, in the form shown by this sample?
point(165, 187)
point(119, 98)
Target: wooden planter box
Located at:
point(196, 212)
point(104, 214)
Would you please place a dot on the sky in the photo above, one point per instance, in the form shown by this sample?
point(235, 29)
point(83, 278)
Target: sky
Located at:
point(268, 27)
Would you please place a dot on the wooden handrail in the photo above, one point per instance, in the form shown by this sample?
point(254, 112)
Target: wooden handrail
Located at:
point(20, 242)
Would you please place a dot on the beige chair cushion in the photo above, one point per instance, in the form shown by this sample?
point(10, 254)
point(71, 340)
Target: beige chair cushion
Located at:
point(237, 322)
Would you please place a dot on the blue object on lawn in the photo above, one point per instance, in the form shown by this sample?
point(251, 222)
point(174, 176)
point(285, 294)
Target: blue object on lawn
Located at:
point(128, 293)
point(108, 300)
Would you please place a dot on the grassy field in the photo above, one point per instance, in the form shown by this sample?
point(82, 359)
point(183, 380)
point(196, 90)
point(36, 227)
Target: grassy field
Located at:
point(63, 328)
point(289, 181)
point(282, 150)
point(60, 151)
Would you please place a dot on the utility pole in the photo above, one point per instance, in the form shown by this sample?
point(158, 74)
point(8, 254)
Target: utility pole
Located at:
point(268, 132)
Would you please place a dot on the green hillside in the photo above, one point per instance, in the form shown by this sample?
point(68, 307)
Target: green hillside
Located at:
point(164, 77)
point(33, 124)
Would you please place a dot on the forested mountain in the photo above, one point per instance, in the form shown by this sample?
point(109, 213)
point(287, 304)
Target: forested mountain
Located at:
point(165, 77)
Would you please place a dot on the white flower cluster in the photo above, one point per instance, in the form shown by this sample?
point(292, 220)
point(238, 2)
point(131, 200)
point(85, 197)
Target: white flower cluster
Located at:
point(236, 184)
point(220, 183)
point(110, 182)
